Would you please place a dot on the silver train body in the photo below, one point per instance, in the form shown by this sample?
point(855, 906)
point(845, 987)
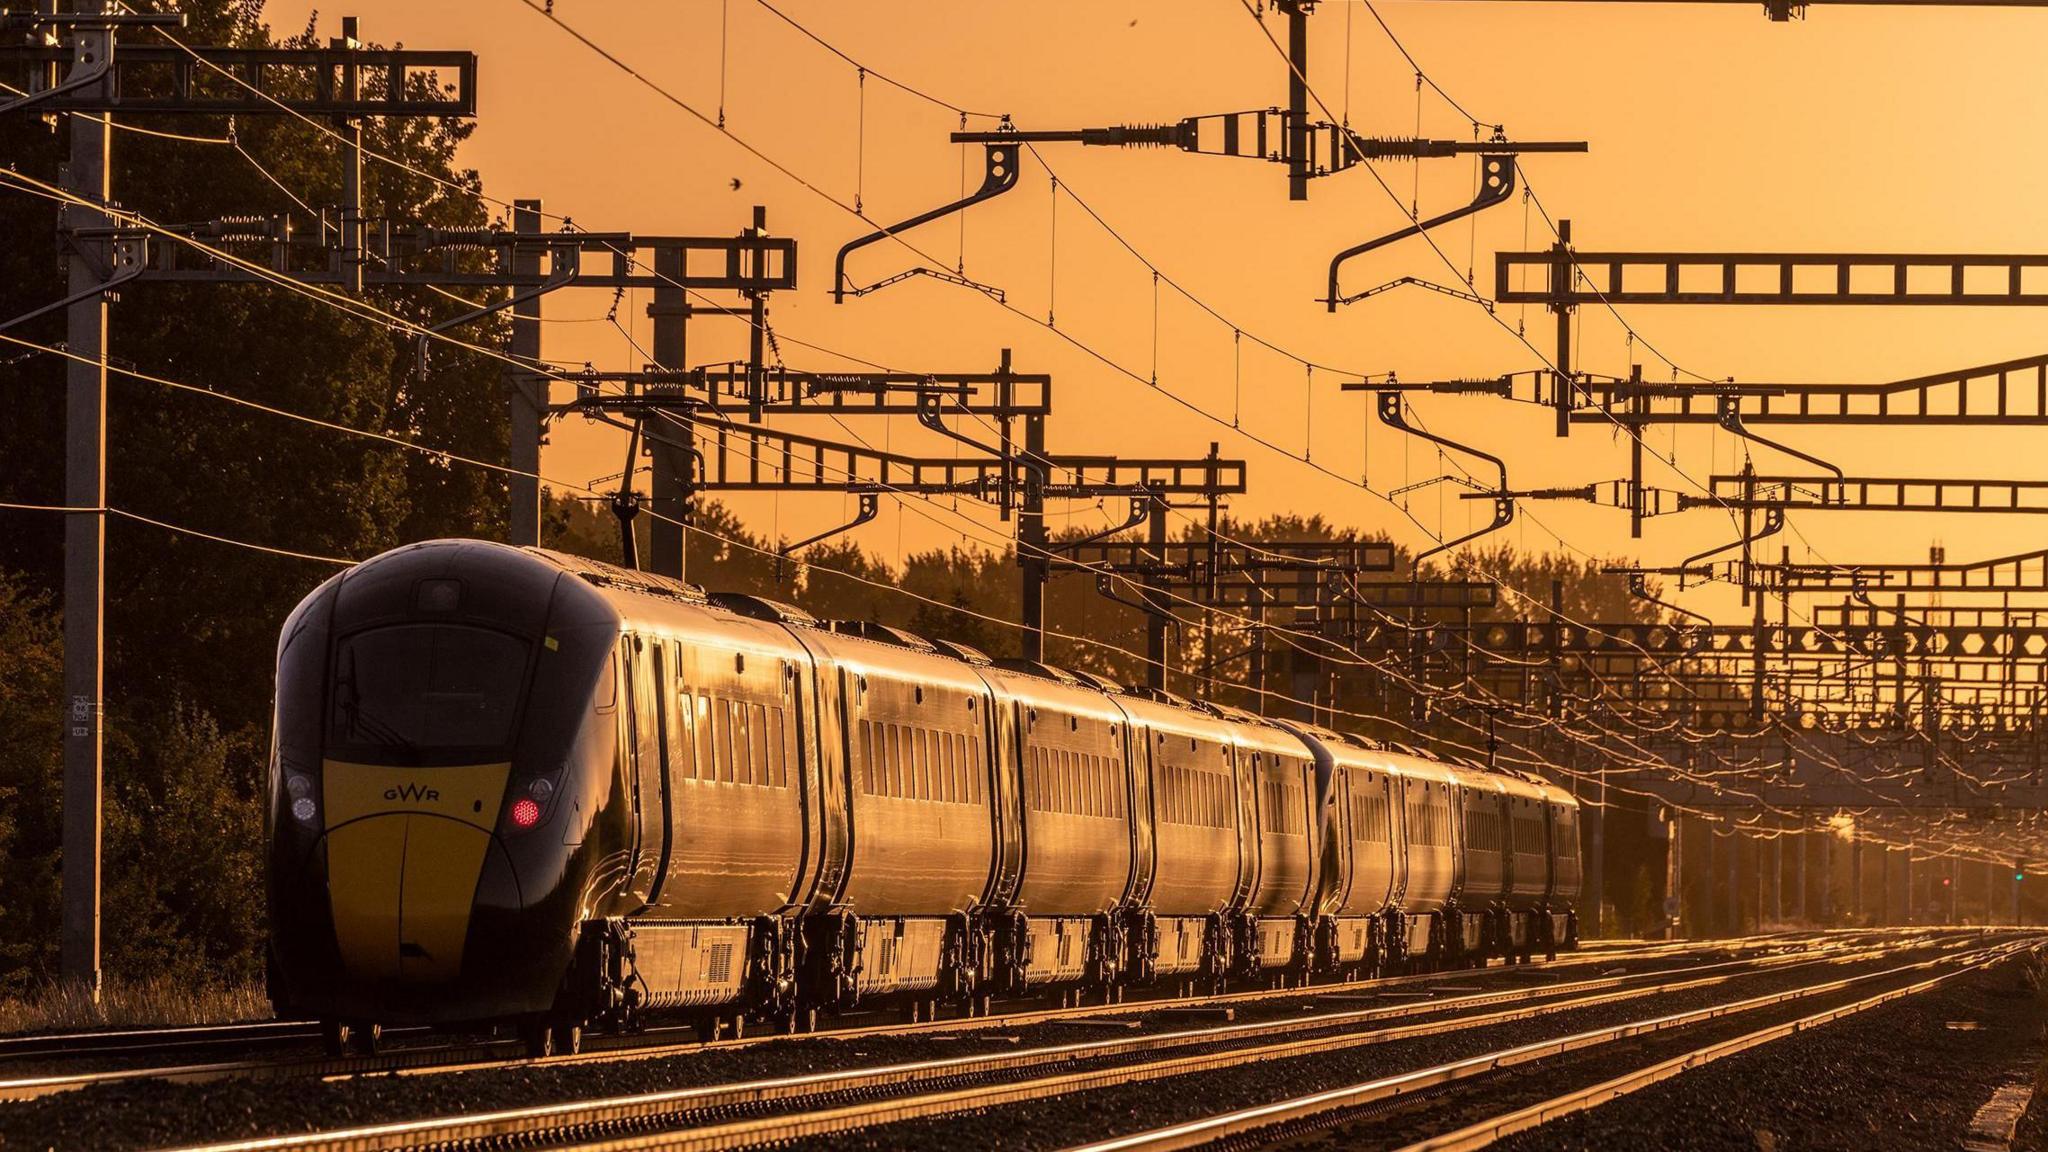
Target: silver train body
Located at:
point(721, 803)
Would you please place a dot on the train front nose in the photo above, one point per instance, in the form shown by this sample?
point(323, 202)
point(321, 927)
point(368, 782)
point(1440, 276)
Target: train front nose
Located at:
point(405, 850)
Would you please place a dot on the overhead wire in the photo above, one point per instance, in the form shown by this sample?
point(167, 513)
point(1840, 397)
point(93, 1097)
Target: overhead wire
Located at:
point(471, 190)
point(670, 97)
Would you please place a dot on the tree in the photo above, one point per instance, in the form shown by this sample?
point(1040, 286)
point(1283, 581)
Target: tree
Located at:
point(191, 623)
point(31, 777)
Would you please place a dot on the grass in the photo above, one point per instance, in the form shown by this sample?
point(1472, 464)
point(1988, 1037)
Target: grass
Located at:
point(157, 1002)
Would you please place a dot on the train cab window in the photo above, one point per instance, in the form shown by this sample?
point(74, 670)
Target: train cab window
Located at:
point(412, 689)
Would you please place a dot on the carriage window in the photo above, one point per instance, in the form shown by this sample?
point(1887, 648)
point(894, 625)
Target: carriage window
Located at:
point(721, 742)
point(707, 768)
point(781, 751)
point(757, 743)
point(685, 741)
point(927, 764)
point(892, 759)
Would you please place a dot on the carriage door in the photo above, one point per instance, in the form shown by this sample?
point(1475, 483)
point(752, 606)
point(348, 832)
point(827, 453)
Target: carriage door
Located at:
point(656, 707)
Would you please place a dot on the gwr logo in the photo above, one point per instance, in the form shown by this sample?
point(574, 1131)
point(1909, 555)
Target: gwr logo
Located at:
point(412, 792)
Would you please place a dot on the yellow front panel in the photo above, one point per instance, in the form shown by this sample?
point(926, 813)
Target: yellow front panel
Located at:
point(470, 793)
point(404, 849)
point(364, 863)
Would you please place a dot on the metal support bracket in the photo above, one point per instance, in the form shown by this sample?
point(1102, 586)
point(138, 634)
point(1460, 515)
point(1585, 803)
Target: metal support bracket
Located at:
point(130, 257)
point(626, 502)
point(999, 176)
point(939, 274)
point(1496, 183)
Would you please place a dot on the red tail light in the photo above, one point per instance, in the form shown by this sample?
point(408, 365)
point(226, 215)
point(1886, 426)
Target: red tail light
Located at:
point(525, 813)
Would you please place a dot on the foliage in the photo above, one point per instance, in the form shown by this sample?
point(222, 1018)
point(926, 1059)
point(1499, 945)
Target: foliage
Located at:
point(31, 776)
point(191, 624)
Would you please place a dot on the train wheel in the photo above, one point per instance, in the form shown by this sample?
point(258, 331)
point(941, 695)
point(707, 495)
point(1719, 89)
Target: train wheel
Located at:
point(538, 1038)
point(367, 1038)
point(334, 1037)
point(567, 1038)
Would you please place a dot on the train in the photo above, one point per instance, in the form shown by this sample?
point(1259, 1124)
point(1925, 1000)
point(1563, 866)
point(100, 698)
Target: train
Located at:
point(519, 788)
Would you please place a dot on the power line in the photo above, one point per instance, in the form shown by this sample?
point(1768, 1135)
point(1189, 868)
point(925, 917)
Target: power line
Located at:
point(1514, 591)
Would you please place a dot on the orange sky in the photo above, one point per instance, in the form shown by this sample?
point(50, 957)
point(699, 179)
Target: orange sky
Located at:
point(1860, 129)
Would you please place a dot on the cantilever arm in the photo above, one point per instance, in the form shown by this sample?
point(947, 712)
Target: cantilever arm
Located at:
point(1639, 587)
point(84, 79)
point(1729, 417)
point(1496, 184)
point(1141, 508)
point(1503, 503)
point(1774, 522)
point(870, 506)
point(130, 256)
point(565, 264)
point(999, 177)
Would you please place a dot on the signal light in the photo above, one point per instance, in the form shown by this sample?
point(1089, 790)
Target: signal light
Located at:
point(1944, 881)
point(525, 812)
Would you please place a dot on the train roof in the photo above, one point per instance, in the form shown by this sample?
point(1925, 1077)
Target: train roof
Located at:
point(612, 576)
point(773, 625)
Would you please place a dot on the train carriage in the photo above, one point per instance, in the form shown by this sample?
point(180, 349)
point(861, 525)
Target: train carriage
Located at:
point(1281, 792)
point(1064, 741)
point(1486, 860)
point(513, 786)
point(1360, 884)
point(1199, 869)
point(1427, 806)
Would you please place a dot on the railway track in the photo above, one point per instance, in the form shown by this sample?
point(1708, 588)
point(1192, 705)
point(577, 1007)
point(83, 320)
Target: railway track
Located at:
point(1287, 1117)
point(837, 1103)
point(655, 1044)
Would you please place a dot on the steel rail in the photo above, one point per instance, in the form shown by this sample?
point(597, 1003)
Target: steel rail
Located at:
point(488, 1055)
point(1209, 1129)
point(100, 1041)
point(663, 1112)
point(1485, 1132)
